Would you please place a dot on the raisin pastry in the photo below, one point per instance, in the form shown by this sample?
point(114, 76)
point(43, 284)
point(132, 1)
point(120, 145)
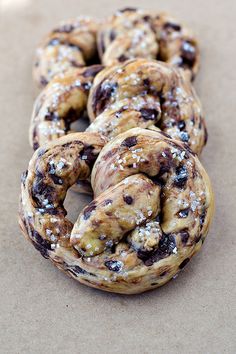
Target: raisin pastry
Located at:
point(133, 33)
point(148, 94)
point(71, 45)
point(151, 211)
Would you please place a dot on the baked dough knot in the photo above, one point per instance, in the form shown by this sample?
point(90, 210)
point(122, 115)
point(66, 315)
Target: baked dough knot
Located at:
point(129, 33)
point(150, 214)
point(148, 94)
point(137, 93)
point(135, 33)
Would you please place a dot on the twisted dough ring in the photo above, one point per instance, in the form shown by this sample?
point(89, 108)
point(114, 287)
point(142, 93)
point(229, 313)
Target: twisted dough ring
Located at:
point(72, 44)
point(134, 33)
point(146, 93)
point(152, 208)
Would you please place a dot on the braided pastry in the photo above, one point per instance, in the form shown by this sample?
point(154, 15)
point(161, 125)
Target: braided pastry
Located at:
point(152, 208)
point(133, 33)
point(146, 93)
point(72, 44)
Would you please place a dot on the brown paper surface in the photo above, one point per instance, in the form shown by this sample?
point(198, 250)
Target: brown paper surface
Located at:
point(44, 311)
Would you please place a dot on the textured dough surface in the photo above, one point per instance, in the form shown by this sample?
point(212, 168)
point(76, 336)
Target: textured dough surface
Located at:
point(151, 212)
point(129, 33)
point(147, 94)
point(134, 33)
point(71, 45)
point(62, 102)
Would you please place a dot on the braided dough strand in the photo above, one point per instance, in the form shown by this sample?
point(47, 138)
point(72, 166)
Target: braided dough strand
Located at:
point(71, 45)
point(129, 33)
point(134, 33)
point(60, 103)
point(53, 169)
point(151, 213)
point(146, 93)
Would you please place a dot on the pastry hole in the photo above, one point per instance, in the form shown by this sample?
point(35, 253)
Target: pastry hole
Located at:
point(81, 124)
point(74, 203)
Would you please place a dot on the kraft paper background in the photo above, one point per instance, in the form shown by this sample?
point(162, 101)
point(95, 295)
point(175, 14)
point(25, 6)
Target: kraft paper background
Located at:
point(44, 311)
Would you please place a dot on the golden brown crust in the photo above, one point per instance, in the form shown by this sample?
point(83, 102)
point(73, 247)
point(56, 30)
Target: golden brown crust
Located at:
point(71, 45)
point(151, 213)
point(148, 94)
point(134, 33)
